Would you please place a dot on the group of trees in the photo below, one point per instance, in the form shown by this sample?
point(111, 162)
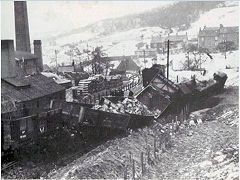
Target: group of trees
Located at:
point(225, 47)
point(94, 57)
point(201, 55)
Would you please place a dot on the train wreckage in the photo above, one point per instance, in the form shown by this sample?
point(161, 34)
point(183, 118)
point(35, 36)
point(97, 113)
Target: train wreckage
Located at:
point(159, 98)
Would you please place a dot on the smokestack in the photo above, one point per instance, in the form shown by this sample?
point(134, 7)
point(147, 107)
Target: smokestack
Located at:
point(8, 63)
point(38, 52)
point(21, 26)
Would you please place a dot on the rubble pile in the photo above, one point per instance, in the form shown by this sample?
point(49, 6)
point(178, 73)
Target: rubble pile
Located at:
point(108, 106)
point(128, 105)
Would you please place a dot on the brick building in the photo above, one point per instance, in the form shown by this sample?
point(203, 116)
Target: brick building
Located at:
point(23, 87)
point(210, 37)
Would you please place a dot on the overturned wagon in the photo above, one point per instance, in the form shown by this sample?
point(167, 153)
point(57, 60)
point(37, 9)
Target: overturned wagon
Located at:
point(136, 120)
point(83, 115)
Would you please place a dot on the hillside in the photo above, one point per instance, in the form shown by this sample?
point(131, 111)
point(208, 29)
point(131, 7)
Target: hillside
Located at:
point(123, 41)
point(178, 15)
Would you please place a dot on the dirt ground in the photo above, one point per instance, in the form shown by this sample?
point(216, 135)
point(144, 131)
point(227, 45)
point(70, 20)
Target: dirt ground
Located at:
point(208, 149)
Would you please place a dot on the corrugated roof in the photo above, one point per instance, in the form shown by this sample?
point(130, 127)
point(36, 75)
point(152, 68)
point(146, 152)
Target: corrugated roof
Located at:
point(17, 81)
point(40, 86)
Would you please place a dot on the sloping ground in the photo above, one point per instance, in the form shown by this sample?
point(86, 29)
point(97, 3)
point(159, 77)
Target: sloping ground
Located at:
point(206, 150)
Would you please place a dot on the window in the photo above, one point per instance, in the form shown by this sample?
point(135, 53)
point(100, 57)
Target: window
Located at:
point(37, 104)
point(23, 128)
point(202, 38)
point(216, 38)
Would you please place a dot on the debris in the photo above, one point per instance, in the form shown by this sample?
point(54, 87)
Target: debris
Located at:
point(192, 123)
point(199, 121)
point(128, 105)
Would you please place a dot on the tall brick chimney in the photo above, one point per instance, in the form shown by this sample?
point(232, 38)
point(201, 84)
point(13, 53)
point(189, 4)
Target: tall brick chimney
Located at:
point(8, 63)
point(38, 52)
point(21, 26)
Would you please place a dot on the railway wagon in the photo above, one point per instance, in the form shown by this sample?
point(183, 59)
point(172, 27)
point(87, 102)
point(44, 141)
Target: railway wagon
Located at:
point(216, 86)
point(136, 120)
point(23, 131)
point(82, 114)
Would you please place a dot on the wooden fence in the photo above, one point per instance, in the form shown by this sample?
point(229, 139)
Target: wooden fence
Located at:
point(136, 167)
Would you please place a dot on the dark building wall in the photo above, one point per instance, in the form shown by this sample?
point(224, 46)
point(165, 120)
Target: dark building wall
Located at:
point(8, 64)
point(234, 37)
point(41, 104)
point(21, 26)
point(209, 42)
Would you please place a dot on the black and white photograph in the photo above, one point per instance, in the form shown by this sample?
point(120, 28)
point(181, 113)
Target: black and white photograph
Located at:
point(104, 89)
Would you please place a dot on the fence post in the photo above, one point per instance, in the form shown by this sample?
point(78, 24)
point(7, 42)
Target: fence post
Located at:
point(133, 169)
point(125, 173)
point(148, 155)
point(130, 157)
point(177, 123)
point(154, 146)
point(142, 164)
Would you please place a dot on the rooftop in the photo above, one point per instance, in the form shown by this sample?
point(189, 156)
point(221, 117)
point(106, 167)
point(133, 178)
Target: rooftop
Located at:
point(29, 87)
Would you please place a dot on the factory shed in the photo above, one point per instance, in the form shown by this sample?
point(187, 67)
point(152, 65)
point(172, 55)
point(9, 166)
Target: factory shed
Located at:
point(29, 87)
point(30, 92)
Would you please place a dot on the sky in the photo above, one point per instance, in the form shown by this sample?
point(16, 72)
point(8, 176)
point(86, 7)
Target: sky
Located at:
point(51, 17)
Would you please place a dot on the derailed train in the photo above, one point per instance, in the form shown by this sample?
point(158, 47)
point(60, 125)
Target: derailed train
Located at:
point(20, 131)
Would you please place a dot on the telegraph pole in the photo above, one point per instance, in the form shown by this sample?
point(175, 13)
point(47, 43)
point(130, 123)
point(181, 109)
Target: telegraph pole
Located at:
point(56, 52)
point(144, 58)
point(168, 59)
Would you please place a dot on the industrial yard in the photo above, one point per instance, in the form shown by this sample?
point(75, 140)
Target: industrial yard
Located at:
point(121, 98)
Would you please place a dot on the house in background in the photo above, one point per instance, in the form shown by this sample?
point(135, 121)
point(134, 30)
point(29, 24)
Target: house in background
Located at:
point(66, 68)
point(210, 37)
point(148, 52)
point(177, 41)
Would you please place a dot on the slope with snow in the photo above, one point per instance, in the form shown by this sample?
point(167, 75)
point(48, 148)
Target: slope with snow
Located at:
point(228, 16)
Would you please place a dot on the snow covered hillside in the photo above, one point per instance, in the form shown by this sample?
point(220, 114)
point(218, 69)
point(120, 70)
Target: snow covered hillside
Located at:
point(124, 42)
point(228, 16)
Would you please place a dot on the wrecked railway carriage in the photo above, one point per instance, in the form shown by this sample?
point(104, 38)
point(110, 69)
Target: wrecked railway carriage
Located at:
point(177, 99)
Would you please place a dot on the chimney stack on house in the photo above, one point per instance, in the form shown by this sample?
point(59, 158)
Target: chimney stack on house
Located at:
point(21, 26)
point(8, 63)
point(38, 52)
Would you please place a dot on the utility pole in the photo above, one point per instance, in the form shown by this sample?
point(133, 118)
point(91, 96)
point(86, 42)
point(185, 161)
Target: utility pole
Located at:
point(168, 59)
point(144, 58)
point(56, 52)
